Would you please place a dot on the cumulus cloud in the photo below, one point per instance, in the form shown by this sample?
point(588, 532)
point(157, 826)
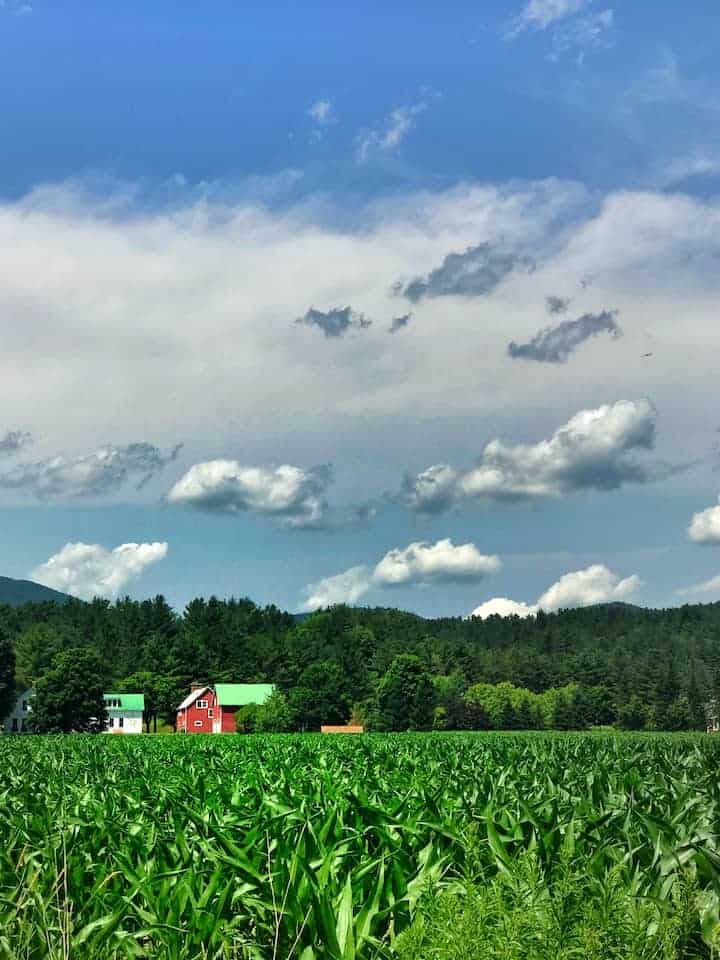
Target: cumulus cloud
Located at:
point(292, 495)
point(90, 475)
point(335, 322)
point(13, 442)
point(474, 273)
point(88, 570)
point(596, 584)
point(399, 322)
point(502, 607)
point(595, 450)
point(425, 562)
point(396, 127)
point(159, 282)
point(433, 490)
point(347, 587)
point(705, 526)
point(581, 588)
point(417, 563)
point(555, 344)
point(555, 305)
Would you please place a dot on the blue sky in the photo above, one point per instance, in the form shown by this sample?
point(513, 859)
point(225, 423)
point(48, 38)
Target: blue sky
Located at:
point(214, 217)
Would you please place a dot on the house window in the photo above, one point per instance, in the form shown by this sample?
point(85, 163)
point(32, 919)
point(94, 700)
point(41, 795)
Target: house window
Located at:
point(121, 721)
point(201, 704)
point(210, 712)
point(25, 705)
point(14, 725)
point(198, 723)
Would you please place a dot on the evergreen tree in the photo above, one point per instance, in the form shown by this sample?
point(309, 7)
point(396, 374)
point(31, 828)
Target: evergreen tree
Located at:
point(34, 651)
point(406, 696)
point(678, 716)
point(7, 671)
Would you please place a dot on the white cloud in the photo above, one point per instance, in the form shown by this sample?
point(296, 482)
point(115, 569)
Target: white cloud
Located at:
point(595, 584)
point(705, 526)
point(595, 449)
point(540, 14)
point(433, 490)
point(87, 570)
point(583, 34)
point(426, 562)
point(502, 607)
point(13, 442)
point(397, 126)
point(708, 587)
point(698, 162)
point(88, 475)
point(347, 587)
point(292, 495)
point(417, 563)
point(581, 588)
point(321, 112)
point(197, 300)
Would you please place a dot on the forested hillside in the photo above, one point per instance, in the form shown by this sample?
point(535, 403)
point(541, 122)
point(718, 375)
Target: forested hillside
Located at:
point(16, 592)
point(612, 663)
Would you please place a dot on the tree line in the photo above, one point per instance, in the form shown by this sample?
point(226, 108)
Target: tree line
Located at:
point(389, 669)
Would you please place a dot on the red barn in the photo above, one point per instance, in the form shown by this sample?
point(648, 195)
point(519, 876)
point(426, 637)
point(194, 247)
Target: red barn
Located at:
point(212, 709)
point(197, 712)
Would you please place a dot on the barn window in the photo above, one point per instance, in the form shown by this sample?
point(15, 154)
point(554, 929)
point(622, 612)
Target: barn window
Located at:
point(201, 704)
point(198, 723)
point(210, 712)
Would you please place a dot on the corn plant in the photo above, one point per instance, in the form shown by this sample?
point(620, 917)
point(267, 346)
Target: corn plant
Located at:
point(318, 848)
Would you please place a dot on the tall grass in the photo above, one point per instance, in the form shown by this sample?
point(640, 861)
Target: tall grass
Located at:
point(334, 848)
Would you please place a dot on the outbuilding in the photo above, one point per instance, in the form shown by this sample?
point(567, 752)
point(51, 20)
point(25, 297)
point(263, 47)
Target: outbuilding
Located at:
point(212, 709)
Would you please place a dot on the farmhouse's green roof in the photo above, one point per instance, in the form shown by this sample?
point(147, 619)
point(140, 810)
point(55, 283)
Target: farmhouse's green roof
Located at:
point(128, 701)
point(241, 694)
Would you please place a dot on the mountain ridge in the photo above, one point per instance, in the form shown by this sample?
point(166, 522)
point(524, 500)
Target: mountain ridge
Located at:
point(15, 593)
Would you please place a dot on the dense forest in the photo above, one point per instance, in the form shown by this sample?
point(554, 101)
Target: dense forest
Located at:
point(606, 664)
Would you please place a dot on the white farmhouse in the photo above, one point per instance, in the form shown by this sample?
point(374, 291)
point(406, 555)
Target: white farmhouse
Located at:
point(125, 712)
point(17, 719)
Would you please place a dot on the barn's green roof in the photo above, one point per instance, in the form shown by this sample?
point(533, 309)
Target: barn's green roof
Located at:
point(128, 701)
point(241, 694)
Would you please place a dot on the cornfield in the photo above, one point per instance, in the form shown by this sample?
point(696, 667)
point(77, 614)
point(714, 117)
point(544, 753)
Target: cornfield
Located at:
point(308, 847)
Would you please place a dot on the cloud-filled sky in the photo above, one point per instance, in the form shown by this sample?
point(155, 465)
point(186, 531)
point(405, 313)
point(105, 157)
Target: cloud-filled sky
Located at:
point(392, 306)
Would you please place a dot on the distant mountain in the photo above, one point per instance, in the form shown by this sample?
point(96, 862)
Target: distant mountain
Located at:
point(17, 592)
